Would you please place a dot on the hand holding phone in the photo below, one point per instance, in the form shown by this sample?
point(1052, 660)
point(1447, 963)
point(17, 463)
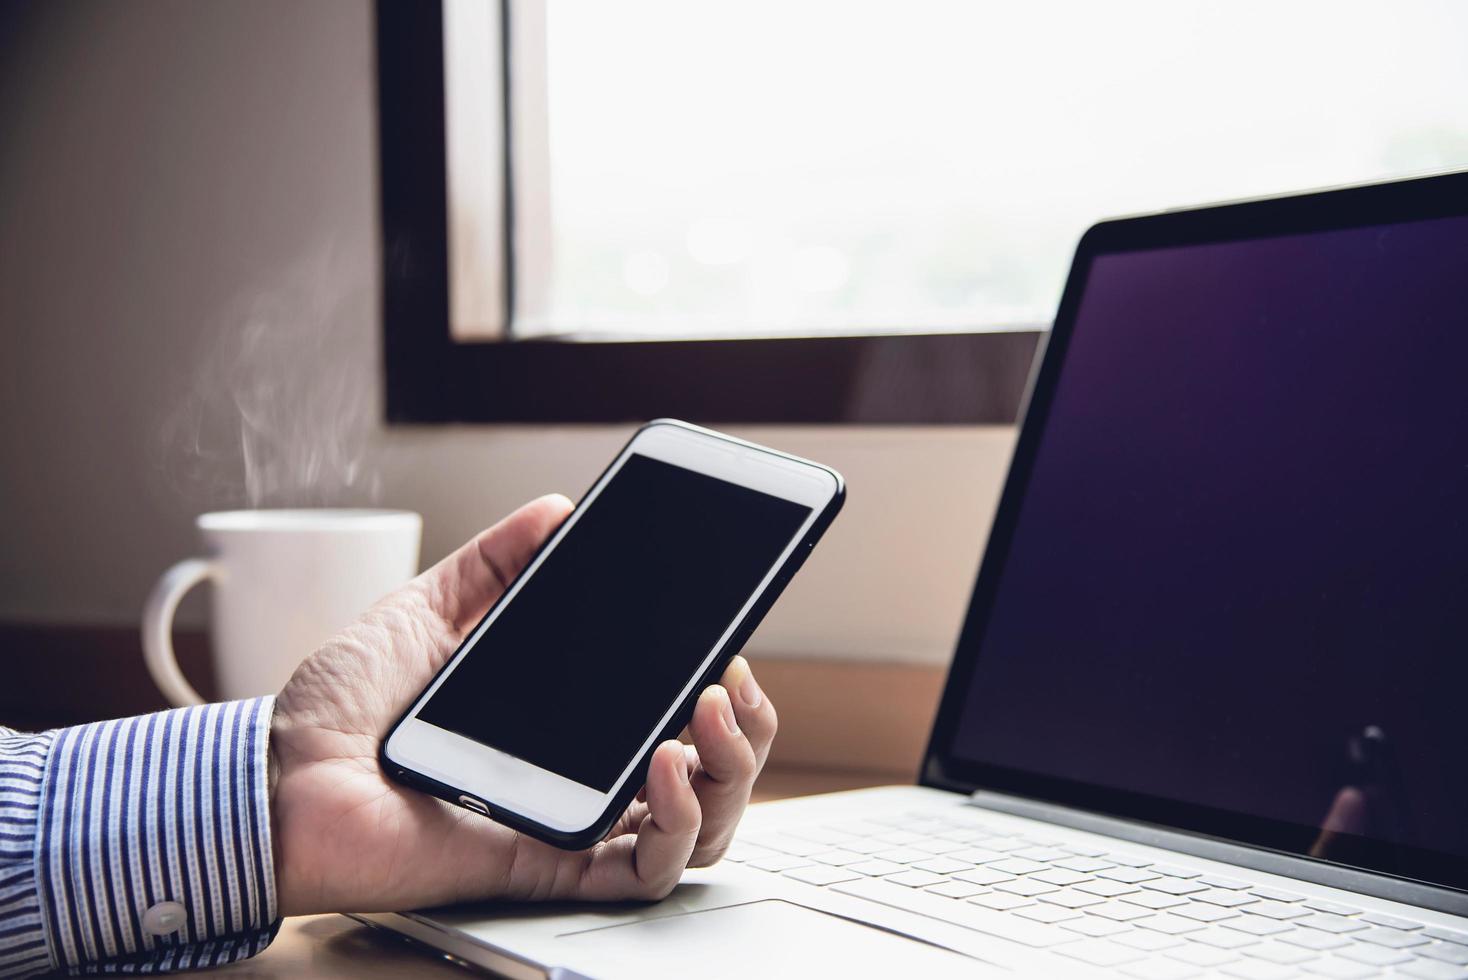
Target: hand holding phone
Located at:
point(547, 716)
point(345, 837)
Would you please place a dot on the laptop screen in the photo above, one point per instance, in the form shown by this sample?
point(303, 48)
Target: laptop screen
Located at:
point(1234, 595)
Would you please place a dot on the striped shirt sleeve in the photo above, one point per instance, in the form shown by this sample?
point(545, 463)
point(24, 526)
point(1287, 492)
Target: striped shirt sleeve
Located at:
point(137, 846)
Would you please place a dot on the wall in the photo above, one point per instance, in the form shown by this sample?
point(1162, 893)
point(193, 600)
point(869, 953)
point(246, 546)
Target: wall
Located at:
point(162, 163)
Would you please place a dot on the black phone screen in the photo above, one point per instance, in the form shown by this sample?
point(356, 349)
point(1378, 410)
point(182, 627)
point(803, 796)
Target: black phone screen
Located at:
point(581, 664)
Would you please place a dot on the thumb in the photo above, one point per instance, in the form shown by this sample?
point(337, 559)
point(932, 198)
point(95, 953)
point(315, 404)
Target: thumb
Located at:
point(461, 587)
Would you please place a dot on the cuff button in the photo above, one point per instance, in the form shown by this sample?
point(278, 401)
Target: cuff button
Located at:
point(164, 918)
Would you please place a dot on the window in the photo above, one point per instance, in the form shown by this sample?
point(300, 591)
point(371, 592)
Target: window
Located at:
point(835, 171)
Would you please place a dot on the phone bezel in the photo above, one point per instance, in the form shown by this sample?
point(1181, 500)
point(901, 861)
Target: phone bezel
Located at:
point(541, 802)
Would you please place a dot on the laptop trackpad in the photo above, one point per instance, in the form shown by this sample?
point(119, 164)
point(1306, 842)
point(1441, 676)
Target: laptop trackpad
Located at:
point(767, 938)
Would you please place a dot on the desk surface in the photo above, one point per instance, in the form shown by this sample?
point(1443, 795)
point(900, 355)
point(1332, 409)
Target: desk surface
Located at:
point(332, 946)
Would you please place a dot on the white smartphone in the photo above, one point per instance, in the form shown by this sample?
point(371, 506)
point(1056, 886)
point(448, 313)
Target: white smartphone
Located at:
point(547, 715)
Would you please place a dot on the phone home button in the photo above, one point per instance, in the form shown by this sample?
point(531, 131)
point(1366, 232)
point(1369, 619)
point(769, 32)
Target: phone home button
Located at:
point(470, 803)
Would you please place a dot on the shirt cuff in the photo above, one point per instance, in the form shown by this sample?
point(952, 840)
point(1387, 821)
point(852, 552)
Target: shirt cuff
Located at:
point(152, 841)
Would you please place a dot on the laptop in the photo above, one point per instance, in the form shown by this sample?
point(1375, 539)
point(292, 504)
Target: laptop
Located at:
point(1204, 715)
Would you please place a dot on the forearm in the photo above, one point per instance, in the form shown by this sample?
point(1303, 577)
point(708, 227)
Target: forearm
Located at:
point(137, 845)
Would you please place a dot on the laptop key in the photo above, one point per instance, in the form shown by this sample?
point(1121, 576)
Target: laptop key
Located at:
point(778, 862)
point(739, 852)
point(1085, 865)
point(786, 844)
point(1083, 850)
point(1017, 866)
point(1035, 934)
point(1204, 913)
point(942, 865)
point(1224, 897)
point(820, 874)
point(838, 857)
point(1045, 854)
point(1129, 875)
point(1173, 871)
point(966, 834)
point(956, 889)
point(1174, 886)
point(1150, 941)
point(1106, 889)
point(1330, 923)
point(976, 855)
point(1047, 913)
point(1375, 955)
point(1276, 910)
point(1060, 876)
point(1447, 935)
point(1154, 900)
point(1257, 925)
point(1027, 887)
point(1172, 925)
point(1390, 921)
point(1276, 895)
point(1072, 899)
point(1310, 939)
point(983, 876)
point(1220, 881)
point(1127, 860)
point(937, 845)
point(902, 855)
point(915, 879)
point(1002, 901)
point(876, 868)
point(1119, 911)
point(1334, 908)
point(822, 835)
point(1445, 952)
point(1432, 970)
point(1095, 928)
point(1391, 938)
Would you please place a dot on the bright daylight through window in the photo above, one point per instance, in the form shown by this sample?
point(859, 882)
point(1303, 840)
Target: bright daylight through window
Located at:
point(805, 166)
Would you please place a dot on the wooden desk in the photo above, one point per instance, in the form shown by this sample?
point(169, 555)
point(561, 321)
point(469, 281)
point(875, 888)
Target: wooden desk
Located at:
point(333, 946)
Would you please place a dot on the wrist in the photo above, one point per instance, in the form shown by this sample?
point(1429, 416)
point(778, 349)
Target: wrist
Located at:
point(279, 815)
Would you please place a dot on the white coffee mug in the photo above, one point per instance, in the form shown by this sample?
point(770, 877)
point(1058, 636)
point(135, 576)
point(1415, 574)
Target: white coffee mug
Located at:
point(284, 581)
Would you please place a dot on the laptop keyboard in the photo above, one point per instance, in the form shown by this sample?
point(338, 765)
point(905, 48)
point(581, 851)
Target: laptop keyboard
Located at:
point(1105, 908)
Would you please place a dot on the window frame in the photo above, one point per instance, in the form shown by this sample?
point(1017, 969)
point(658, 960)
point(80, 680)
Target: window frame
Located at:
point(432, 377)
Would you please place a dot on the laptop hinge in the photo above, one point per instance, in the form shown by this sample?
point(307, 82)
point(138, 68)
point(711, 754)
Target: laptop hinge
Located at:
point(1305, 869)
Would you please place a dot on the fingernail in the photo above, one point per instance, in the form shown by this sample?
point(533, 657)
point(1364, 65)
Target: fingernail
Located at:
point(730, 722)
point(749, 691)
point(682, 766)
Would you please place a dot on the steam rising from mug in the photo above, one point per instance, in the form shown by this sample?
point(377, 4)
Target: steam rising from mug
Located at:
point(283, 407)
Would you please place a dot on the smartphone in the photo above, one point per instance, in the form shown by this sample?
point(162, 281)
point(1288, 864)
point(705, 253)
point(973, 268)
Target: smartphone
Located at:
point(547, 715)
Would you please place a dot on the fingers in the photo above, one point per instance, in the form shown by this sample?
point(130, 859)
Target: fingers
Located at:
point(461, 587)
point(756, 714)
point(732, 727)
point(649, 865)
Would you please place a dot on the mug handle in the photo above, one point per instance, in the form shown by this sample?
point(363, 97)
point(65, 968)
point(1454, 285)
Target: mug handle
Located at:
point(158, 629)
